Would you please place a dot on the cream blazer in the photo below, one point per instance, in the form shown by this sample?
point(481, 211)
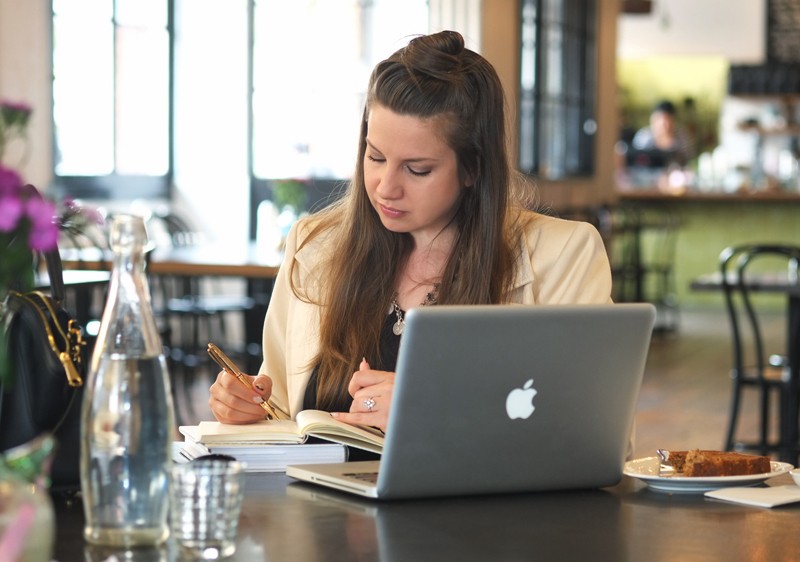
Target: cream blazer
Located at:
point(560, 262)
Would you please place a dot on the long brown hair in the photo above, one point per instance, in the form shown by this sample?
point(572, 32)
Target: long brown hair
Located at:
point(433, 76)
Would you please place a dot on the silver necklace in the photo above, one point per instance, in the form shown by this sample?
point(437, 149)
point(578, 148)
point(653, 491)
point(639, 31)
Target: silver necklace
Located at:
point(400, 325)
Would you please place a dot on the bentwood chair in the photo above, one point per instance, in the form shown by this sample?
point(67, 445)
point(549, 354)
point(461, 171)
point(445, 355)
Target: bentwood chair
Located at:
point(760, 361)
point(193, 311)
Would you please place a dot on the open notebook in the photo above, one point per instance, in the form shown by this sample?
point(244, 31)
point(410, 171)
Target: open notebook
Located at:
point(309, 423)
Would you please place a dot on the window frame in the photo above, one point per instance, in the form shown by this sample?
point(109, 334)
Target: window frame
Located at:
point(578, 88)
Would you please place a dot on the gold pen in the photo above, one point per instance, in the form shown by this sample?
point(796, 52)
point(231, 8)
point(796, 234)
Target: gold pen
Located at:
point(227, 365)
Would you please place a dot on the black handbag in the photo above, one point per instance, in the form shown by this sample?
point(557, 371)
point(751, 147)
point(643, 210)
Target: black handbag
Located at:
point(47, 352)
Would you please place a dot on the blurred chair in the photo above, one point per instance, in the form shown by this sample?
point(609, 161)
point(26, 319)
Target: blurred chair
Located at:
point(86, 300)
point(193, 311)
point(759, 362)
point(642, 255)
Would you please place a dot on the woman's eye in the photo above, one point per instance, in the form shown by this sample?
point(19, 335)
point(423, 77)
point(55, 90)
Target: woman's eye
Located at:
point(416, 173)
point(374, 159)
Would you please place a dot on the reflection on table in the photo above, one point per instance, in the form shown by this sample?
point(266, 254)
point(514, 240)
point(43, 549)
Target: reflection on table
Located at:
point(286, 520)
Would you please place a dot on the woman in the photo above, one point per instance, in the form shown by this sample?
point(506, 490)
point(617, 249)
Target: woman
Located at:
point(429, 218)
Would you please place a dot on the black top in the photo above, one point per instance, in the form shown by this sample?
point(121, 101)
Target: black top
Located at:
point(389, 346)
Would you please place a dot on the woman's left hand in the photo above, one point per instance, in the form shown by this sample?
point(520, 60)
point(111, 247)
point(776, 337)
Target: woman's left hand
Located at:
point(372, 398)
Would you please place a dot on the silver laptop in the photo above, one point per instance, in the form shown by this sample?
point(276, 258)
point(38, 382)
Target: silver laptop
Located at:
point(492, 399)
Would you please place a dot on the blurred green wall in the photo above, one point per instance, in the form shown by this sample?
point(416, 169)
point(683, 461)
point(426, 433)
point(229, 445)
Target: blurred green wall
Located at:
point(708, 227)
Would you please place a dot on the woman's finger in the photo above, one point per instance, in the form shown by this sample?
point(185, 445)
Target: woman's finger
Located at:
point(376, 419)
point(263, 385)
point(374, 391)
point(233, 402)
point(355, 384)
point(367, 404)
point(364, 379)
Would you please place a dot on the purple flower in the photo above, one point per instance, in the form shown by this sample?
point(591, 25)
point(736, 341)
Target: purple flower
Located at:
point(16, 106)
point(10, 182)
point(40, 211)
point(10, 212)
point(43, 237)
point(44, 229)
point(93, 215)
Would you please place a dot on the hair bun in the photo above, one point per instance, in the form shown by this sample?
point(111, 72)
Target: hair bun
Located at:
point(436, 54)
point(449, 42)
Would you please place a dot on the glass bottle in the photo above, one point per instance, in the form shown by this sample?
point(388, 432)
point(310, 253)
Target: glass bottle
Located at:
point(127, 415)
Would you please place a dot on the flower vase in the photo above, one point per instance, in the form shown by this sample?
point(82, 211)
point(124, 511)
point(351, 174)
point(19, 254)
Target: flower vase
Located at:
point(27, 518)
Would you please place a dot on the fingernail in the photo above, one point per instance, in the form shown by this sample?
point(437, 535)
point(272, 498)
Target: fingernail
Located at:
point(257, 399)
point(334, 414)
point(259, 387)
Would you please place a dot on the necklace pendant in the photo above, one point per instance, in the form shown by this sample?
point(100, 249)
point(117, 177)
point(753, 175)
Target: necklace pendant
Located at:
point(398, 327)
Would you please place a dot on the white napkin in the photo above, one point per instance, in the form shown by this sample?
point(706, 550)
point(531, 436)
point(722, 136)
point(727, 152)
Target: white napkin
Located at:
point(759, 497)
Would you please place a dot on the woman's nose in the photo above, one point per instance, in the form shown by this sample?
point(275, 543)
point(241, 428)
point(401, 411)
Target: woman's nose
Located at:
point(390, 184)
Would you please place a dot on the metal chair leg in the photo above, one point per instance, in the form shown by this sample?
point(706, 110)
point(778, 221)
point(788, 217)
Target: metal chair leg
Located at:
point(733, 417)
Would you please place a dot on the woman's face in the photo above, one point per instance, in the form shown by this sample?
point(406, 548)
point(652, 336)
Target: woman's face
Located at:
point(411, 174)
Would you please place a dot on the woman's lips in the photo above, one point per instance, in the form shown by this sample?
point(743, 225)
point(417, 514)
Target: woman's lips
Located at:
point(391, 213)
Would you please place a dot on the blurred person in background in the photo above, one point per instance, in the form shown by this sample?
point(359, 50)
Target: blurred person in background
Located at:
point(666, 136)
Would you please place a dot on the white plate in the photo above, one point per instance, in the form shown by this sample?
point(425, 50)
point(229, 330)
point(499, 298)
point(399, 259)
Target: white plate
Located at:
point(647, 470)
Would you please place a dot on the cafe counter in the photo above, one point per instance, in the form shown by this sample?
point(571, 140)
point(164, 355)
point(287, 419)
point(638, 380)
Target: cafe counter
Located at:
point(709, 222)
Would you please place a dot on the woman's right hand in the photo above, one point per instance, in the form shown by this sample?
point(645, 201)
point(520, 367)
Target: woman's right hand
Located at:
point(234, 403)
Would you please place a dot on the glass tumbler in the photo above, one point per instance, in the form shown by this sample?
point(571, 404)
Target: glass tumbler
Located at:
point(205, 501)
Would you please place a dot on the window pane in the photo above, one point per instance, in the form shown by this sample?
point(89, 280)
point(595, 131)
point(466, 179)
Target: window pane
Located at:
point(142, 133)
point(111, 87)
point(83, 87)
point(143, 13)
point(312, 60)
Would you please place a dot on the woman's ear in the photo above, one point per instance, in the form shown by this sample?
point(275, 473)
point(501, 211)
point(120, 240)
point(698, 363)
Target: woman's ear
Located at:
point(469, 179)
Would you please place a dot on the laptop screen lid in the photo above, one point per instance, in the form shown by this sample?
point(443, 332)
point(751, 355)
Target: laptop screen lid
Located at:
point(466, 418)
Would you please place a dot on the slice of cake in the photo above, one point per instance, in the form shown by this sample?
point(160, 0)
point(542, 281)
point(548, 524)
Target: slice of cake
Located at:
point(718, 463)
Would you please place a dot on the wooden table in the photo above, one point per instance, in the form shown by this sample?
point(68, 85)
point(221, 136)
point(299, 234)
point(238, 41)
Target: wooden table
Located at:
point(229, 260)
point(257, 266)
point(283, 520)
point(775, 283)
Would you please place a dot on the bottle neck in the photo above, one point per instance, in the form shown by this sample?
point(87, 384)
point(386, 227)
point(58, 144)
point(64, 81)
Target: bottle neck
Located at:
point(129, 327)
point(129, 262)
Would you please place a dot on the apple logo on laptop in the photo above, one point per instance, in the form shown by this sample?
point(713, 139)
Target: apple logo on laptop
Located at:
point(519, 403)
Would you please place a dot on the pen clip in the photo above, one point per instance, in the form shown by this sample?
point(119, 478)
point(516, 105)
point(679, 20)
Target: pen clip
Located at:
point(227, 365)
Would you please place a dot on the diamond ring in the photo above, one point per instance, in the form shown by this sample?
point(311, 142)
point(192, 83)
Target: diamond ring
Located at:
point(369, 403)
